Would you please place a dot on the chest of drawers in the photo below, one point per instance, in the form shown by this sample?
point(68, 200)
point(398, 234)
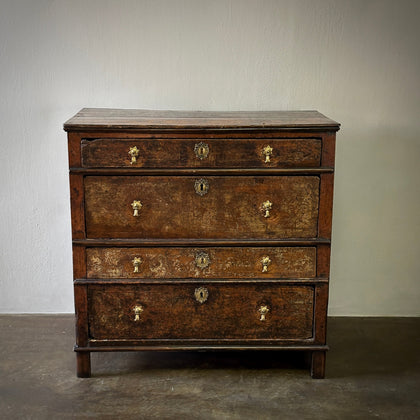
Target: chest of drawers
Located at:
point(201, 230)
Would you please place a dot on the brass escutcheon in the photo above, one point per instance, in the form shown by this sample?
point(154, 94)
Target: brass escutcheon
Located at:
point(136, 205)
point(133, 152)
point(265, 261)
point(201, 294)
point(266, 206)
point(137, 311)
point(136, 263)
point(201, 186)
point(202, 260)
point(263, 312)
point(201, 150)
point(267, 151)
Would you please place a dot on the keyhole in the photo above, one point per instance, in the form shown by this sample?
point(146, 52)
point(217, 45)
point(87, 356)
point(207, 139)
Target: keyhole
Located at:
point(202, 187)
point(201, 294)
point(202, 151)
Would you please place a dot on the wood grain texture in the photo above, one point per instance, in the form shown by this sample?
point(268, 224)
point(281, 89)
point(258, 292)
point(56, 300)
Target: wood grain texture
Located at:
point(180, 153)
point(83, 365)
point(323, 260)
point(171, 311)
point(326, 206)
point(102, 118)
point(233, 263)
point(81, 306)
point(79, 262)
point(232, 208)
point(321, 306)
point(318, 364)
point(328, 150)
point(74, 149)
point(77, 205)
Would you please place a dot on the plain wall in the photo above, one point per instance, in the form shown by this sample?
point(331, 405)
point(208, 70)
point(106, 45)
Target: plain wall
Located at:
point(358, 62)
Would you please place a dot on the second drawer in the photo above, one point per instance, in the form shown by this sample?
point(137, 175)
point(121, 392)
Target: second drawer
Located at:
point(217, 262)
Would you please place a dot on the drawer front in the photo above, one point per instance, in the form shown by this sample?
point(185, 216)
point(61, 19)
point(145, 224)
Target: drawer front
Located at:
point(173, 311)
point(223, 262)
point(201, 153)
point(193, 207)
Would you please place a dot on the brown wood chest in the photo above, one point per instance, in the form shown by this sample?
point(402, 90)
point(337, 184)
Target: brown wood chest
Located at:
point(201, 230)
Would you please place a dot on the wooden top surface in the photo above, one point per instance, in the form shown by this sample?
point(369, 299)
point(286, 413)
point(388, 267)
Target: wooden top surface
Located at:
point(139, 119)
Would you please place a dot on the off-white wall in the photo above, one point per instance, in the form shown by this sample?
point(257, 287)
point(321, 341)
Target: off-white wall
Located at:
point(356, 61)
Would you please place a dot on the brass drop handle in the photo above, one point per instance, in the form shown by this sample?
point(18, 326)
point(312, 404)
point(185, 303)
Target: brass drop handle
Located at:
point(267, 151)
point(265, 261)
point(263, 312)
point(266, 206)
point(201, 294)
point(136, 205)
point(133, 152)
point(136, 263)
point(137, 311)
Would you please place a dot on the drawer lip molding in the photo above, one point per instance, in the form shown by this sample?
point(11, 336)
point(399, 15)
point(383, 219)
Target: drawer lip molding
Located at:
point(203, 281)
point(200, 171)
point(204, 347)
point(179, 242)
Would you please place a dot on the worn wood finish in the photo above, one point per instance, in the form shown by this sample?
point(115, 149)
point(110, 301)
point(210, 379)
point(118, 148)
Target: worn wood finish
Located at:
point(175, 223)
point(180, 153)
point(235, 263)
point(325, 206)
point(321, 306)
point(323, 260)
point(138, 345)
point(318, 364)
point(232, 208)
point(77, 205)
point(328, 149)
point(201, 171)
point(79, 262)
point(129, 119)
point(172, 312)
point(182, 242)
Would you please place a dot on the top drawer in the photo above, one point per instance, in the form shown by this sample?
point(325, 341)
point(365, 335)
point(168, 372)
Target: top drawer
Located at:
point(201, 153)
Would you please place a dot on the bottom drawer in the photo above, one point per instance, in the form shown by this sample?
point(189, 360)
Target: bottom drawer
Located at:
point(263, 311)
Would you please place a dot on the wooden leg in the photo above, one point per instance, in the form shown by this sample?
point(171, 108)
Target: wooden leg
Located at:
point(318, 364)
point(83, 364)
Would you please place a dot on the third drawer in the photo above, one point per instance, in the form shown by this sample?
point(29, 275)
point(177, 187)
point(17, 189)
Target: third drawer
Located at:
point(212, 262)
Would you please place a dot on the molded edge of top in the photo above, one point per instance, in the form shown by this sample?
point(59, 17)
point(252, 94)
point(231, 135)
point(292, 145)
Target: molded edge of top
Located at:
point(142, 119)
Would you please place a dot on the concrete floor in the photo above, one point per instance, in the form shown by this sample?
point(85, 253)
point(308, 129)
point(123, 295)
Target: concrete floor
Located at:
point(373, 371)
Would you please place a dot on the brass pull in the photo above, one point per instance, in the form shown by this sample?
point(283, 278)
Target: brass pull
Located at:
point(267, 151)
point(201, 150)
point(201, 294)
point(137, 311)
point(201, 186)
point(136, 263)
point(136, 207)
point(133, 152)
point(266, 206)
point(265, 261)
point(202, 260)
point(263, 312)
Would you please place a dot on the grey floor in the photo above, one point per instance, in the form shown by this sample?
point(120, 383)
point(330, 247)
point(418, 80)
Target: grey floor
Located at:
point(373, 371)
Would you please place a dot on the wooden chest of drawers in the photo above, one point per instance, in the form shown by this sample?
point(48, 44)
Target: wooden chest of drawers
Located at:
point(199, 230)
